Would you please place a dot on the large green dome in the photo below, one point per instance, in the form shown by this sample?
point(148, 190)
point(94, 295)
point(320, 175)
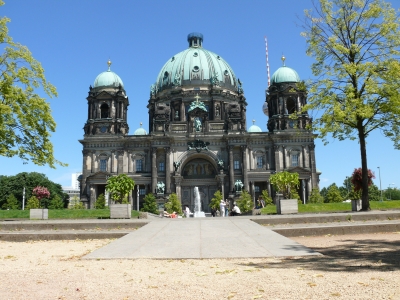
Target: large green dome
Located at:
point(285, 74)
point(108, 79)
point(195, 66)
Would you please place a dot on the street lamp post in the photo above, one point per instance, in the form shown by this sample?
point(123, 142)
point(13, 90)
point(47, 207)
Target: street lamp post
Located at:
point(380, 182)
point(390, 195)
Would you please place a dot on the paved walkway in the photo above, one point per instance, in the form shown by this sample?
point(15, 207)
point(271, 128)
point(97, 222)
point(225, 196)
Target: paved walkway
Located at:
point(201, 238)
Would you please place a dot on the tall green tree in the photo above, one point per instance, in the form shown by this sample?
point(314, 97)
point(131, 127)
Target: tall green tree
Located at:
point(286, 183)
point(173, 204)
point(356, 45)
point(26, 122)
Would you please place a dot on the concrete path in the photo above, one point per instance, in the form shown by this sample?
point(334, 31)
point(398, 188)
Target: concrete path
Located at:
point(201, 238)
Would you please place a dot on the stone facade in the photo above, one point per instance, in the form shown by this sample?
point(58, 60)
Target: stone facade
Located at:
point(197, 137)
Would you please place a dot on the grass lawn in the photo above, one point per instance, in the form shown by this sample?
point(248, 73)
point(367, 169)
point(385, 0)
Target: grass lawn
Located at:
point(335, 207)
point(63, 214)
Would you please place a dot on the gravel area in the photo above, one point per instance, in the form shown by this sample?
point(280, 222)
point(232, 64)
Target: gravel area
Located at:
point(352, 267)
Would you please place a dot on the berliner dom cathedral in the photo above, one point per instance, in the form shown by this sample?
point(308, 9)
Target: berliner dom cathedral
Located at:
point(198, 134)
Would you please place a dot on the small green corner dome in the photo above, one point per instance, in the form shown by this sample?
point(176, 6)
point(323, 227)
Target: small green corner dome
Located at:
point(254, 128)
point(285, 74)
point(195, 66)
point(140, 131)
point(108, 79)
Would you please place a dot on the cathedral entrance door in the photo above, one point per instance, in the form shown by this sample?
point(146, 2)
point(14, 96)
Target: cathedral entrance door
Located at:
point(201, 173)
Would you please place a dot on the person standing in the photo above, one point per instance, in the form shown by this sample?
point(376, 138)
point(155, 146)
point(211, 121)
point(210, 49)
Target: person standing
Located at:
point(226, 207)
point(222, 208)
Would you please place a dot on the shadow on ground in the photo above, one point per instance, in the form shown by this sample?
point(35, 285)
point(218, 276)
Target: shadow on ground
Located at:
point(349, 256)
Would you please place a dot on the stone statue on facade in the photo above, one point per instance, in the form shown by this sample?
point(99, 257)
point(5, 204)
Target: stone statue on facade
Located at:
point(177, 80)
point(176, 165)
point(220, 163)
point(160, 187)
point(197, 124)
point(238, 186)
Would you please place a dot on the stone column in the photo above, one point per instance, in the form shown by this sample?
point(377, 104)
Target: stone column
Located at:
point(167, 170)
point(252, 159)
point(93, 162)
point(284, 157)
point(271, 163)
point(182, 114)
point(278, 166)
point(112, 161)
point(153, 169)
point(253, 193)
point(314, 179)
point(120, 161)
point(129, 162)
point(269, 188)
point(178, 180)
point(221, 180)
point(231, 168)
point(245, 179)
point(134, 163)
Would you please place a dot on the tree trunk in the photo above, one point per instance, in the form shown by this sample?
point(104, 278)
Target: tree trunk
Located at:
point(364, 167)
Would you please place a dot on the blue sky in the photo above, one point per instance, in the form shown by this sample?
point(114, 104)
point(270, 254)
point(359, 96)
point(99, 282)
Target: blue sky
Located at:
point(74, 39)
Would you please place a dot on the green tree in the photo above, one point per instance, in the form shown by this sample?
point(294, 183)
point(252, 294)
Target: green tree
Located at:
point(26, 123)
point(315, 197)
point(32, 203)
point(285, 183)
point(216, 200)
point(373, 193)
point(355, 44)
point(392, 194)
point(15, 185)
point(120, 186)
point(56, 203)
point(173, 204)
point(266, 197)
point(244, 202)
point(150, 204)
point(100, 202)
point(12, 203)
point(77, 205)
point(323, 193)
point(333, 194)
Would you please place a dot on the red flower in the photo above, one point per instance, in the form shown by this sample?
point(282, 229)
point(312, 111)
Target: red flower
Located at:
point(356, 178)
point(41, 192)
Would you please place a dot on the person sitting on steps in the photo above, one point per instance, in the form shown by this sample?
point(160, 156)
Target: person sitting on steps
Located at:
point(235, 211)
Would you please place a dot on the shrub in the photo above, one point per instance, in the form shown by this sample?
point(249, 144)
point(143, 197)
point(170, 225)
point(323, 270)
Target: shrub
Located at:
point(78, 205)
point(150, 204)
point(266, 197)
point(119, 187)
point(56, 203)
point(315, 197)
point(100, 202)
point(11, 203)
point(333, 194)
point(216, 200)
point(173, 204)
point(32, 203)
point(285, 183)
point(244, 202)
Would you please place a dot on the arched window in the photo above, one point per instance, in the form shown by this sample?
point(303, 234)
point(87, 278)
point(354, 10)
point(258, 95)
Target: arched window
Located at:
point(104, 111)
point(291, 105)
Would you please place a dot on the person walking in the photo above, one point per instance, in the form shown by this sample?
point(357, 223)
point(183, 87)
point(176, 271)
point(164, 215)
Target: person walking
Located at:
point(222, 208)
point(226, 207)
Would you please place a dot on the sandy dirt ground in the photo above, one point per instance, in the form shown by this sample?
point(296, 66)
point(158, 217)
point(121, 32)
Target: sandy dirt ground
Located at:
point(352, 267)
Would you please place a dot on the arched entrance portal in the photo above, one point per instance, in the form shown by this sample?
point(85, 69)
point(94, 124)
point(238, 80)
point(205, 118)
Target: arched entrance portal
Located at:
point(198, 172)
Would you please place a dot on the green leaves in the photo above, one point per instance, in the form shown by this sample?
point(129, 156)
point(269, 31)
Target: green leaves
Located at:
point(26, 123)
point(285, 183)
point(119, 187)
point(356, 46)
